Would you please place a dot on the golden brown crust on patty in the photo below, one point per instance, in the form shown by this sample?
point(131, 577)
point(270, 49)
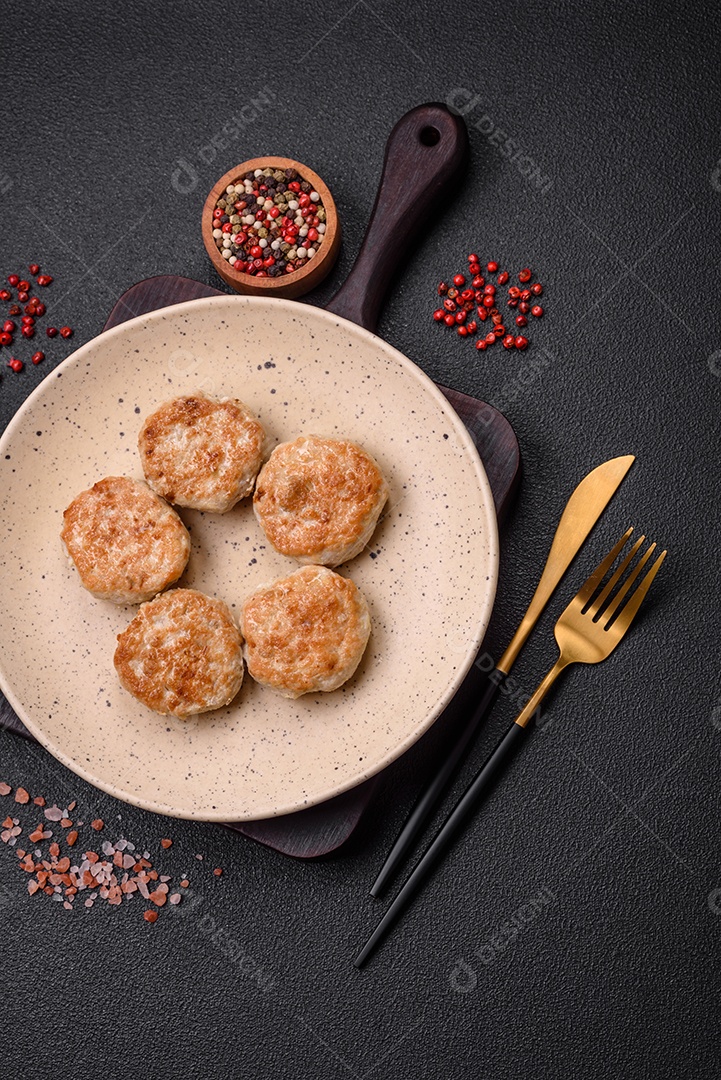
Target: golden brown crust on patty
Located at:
point(181, 654)
point(318, 500)
point(201, 452)
point(306, 632)
point(127, 544)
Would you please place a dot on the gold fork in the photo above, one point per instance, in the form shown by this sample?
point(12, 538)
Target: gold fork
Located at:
point(592, 626)
point(587, 632)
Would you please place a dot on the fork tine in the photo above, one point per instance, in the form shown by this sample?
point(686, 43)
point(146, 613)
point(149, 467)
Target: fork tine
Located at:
point(616, 600)
point(628, 614)
point(598, 603)
point(587, 590)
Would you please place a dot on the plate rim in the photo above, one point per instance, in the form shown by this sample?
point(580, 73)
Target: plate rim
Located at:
point(482, 619)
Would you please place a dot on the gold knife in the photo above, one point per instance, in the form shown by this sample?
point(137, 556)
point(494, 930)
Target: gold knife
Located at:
point(582, 511)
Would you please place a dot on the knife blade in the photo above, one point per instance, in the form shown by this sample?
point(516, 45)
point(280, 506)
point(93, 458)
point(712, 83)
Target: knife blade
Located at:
point(581, 513)
point(585, 506)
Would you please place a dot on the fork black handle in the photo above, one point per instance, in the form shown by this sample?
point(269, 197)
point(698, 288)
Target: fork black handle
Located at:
point(431, 795)
point(447, 834)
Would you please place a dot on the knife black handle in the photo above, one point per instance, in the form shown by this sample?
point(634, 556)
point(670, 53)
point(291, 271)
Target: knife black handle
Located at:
point(430, 796)
point(447, 834)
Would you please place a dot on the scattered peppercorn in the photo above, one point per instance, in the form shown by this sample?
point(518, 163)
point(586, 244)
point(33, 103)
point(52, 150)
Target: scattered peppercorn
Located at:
point(480, 300)
point(29, 308)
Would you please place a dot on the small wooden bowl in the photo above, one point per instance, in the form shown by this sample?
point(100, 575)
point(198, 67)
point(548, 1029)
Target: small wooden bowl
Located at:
point(289, 285)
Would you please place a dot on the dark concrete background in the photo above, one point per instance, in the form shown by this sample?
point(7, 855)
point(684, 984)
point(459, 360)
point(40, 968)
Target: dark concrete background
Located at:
point(614, 808)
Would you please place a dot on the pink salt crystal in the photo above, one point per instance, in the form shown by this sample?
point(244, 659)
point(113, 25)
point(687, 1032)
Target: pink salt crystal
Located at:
point(128, 862)
point(68, 905)
point(175, 898)
point(88, 902)
point(5, 789)
point(53, 813)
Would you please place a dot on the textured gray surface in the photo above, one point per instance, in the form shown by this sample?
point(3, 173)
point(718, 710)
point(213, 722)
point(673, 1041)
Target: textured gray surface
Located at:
point(613, 809)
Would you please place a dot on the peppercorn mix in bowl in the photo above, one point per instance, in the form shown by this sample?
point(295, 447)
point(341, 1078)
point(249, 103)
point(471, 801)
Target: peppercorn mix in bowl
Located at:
point(270, 227)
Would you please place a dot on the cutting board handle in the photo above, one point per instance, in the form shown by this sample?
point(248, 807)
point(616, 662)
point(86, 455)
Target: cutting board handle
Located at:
point(426, 155)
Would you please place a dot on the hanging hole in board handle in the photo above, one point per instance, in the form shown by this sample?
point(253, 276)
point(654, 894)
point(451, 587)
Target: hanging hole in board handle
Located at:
point(429, 136)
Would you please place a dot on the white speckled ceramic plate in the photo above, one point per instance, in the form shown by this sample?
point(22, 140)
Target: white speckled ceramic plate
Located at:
point(429, 573)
